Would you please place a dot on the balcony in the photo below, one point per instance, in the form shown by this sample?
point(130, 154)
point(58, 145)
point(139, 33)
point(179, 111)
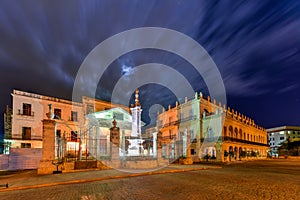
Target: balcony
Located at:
point(25, 113)
point(190, 118)
point(231, 139)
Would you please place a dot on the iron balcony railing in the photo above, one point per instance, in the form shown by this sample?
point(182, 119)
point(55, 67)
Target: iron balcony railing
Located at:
point(25, 112)
point(231, 139)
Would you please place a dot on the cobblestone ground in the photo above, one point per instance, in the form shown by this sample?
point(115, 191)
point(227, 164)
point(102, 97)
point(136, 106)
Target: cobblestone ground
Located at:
point(271, 179)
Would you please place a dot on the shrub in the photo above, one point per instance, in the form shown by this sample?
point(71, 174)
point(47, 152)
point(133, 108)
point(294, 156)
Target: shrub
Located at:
point(206, 157)
point(226, 153)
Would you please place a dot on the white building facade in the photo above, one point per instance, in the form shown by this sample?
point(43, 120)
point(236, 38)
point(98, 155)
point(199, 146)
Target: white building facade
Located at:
point(28, 111)
point(278, 135)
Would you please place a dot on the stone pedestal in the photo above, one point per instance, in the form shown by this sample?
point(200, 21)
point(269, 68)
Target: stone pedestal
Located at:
point(114, 146)
point(48, 151)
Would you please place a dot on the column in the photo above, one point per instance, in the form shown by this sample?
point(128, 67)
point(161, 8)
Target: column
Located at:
point(184, 144)
point(98, 143)
point(123, 143)
point(154, 144)
point(48, 150)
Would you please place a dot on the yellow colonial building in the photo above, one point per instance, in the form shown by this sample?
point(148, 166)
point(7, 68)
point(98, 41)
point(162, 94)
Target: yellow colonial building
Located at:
point(202, 129)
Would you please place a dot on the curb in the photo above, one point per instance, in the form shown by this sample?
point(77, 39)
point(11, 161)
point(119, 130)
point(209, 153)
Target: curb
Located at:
point(103, 178)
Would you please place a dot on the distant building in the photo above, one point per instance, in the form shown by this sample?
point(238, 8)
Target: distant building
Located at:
point(278, 135)
point(7, 122)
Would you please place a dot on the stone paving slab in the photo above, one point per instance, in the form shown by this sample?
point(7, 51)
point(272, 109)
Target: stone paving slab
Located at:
point(30, 179)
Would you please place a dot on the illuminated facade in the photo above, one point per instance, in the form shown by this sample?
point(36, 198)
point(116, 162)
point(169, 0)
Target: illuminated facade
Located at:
point(29, 109)
point(100, 123)
point(199, 128)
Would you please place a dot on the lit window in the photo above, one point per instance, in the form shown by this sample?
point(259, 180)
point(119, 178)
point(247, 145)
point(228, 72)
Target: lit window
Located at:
point(25, 145)
point(73, 136)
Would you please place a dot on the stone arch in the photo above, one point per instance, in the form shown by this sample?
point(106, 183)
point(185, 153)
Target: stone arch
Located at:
point(230, 152)
point(230, 131)
point(240, 134)
point(240, 152)
point(235, 153)
point(225, 131)
point(235, 132)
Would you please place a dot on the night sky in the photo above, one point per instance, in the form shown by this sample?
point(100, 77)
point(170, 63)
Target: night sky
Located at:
point(255, 45)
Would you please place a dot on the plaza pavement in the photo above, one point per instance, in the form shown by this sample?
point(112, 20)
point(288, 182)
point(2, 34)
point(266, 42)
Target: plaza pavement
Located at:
point(29, 179)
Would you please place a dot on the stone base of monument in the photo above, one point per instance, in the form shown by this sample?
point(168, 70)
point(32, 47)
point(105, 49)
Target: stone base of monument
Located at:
point(46, 167)
point(186, 161)
point(85, 164)
point(136, 163)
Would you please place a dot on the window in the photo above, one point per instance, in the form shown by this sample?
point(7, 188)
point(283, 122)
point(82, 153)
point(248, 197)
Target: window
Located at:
point(26, 109)
point(58, 133)
point(57, 113)
point(26, 133)
point(181, 116)
point(103, 146)
point(74, 116)
point(89, 109)
point(191, 113)
point(192, 136)
point(213, 153)
point(73, 136)
point(160, 123)
point(281, 138)
point(119, 116)
point(181, 135)
point(25, 145)
point(170, 134)
point(193, 152)
point(210, 133)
